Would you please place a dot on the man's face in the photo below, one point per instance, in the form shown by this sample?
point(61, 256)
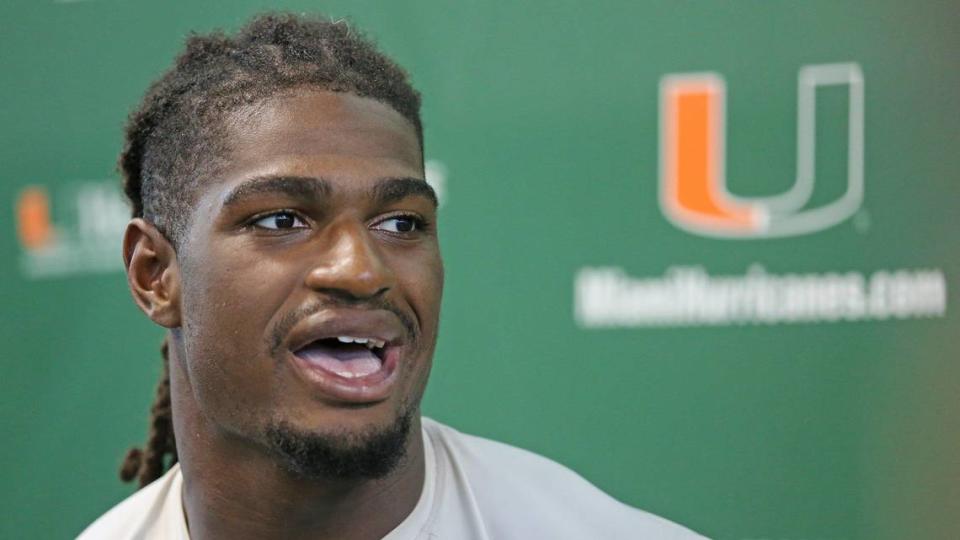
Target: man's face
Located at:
point(321, 229)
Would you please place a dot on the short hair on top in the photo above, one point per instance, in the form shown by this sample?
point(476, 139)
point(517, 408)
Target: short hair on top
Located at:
point(175, 137)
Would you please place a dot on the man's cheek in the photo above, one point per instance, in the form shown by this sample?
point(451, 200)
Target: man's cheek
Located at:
point(263, 283)
point(229, 311)
point(230, 375)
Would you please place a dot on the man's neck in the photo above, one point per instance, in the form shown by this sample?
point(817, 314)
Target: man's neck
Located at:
point(235, 489)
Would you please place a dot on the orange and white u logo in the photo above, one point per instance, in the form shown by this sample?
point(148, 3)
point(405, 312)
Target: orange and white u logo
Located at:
point(693, 187)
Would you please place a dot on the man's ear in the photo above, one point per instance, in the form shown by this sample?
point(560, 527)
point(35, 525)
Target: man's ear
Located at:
point(153, 273)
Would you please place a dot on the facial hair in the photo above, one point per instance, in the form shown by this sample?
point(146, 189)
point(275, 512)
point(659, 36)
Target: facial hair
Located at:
point(342, 455)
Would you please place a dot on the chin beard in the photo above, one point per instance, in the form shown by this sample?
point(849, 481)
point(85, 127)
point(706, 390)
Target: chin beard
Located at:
point(341, 455)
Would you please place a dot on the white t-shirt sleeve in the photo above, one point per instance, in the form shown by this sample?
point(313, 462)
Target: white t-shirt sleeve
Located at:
point(152, 513)
point(521, 495)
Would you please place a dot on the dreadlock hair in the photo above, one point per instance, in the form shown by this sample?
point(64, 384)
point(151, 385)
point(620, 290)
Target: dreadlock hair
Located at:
point(149, 463)
point(176, 138)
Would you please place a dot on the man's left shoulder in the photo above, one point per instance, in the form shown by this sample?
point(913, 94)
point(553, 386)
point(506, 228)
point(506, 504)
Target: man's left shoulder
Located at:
point(515, 487)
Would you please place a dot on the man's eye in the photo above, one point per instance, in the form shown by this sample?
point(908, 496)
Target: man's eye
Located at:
point(399, 224)
point(280, 220)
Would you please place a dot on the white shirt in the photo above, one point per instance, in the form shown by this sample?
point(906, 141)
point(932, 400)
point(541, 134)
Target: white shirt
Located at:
point(474, 489)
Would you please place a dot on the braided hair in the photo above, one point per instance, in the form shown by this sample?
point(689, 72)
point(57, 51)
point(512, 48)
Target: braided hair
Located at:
point(175, 138)
point(149, 463)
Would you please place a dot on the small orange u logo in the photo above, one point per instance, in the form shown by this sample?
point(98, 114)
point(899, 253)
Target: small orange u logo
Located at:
point(34, 227)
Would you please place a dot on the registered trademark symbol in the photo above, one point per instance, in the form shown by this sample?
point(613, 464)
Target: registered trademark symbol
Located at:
point(861, 221)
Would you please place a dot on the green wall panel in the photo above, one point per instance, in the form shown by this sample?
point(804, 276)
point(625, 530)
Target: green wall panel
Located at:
point(544, 116)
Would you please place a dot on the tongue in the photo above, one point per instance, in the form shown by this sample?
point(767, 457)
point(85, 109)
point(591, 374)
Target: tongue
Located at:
point(347, 361)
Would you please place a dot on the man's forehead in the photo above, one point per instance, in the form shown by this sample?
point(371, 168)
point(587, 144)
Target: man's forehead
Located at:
point(313, 116)
point(334, 139)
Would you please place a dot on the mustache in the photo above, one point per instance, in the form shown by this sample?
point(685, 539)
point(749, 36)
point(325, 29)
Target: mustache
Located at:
point(290, 319)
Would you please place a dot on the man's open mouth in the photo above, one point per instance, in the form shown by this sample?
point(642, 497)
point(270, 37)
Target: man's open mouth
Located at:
point(351, 356)
point(348, 357)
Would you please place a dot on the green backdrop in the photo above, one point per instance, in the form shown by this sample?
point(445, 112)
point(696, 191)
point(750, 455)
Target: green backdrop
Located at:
point(542, 125)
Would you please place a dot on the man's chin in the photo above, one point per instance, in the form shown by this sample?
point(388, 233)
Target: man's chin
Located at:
point(341, 453)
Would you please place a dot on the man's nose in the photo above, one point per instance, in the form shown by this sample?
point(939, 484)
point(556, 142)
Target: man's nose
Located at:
point(349, 266)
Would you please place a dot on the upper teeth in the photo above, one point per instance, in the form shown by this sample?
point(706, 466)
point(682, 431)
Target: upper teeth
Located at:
point(371, 343)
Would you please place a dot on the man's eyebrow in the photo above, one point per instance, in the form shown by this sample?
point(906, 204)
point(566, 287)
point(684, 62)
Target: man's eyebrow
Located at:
point(299, 187)
point(391, 190)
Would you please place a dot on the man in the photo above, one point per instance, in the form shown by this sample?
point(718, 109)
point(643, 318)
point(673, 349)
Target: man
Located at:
point(284, 235)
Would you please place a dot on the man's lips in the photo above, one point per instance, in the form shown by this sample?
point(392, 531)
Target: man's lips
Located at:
point(333, 323)
point(348, 355)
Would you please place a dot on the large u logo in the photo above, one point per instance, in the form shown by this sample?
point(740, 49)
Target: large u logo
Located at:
point(693, 187)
